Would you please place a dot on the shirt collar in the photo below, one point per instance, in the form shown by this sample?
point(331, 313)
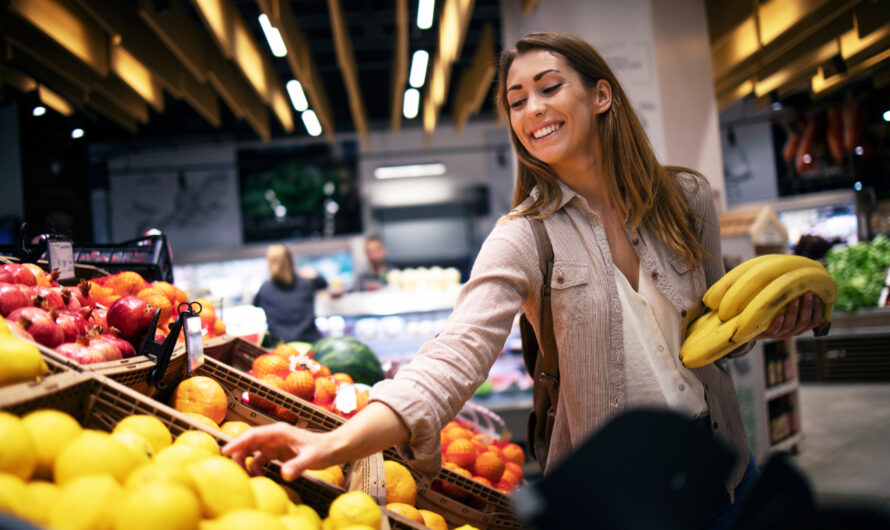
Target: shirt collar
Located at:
point(567, 194)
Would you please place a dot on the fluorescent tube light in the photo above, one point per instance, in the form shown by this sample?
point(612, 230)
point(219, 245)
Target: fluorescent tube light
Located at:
point(310, 120)
point(425, 10)
point(410, 103)
point(273, 36)
point(418, 68)
point(297, 96)
point(410, 170)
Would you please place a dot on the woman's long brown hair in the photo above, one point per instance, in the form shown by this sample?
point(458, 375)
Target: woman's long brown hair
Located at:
point(281, 265)
point(644, 191)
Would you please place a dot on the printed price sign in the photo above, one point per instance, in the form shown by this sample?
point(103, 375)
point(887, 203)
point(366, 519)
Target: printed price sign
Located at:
point(61, 256)
point(194, 342)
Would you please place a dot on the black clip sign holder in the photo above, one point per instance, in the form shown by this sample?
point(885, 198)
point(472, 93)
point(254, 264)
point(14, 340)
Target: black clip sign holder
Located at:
point(160, 352)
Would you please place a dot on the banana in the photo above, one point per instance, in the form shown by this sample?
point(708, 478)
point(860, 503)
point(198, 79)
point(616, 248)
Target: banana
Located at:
point(763, 308)
point(715, 293)
point(708, 321)
point(712, 344)
point(756, 278)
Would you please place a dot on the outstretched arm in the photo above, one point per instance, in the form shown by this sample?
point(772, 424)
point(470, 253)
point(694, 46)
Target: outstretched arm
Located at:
point(374, 428)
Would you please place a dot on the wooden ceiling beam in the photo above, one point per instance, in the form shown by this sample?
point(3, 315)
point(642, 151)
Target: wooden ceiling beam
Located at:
point(174, 29)
point(475, 82)
point(348, 68)
point(399, 65)
point(453, 23)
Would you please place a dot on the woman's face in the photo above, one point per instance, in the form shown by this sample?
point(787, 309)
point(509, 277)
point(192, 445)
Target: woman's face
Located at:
point(552, 111)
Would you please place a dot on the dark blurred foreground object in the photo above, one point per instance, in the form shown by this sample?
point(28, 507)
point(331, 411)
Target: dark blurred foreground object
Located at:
point(657, 470)
point(814, 247)
point(644, 470)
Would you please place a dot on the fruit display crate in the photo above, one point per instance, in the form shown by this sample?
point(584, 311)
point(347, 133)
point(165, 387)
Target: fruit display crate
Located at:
point(98, 402)
point(484, 507)
point(134, 372)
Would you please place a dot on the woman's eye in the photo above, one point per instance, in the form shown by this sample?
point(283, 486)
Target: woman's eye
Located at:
point(516, 104)
point(552, 88)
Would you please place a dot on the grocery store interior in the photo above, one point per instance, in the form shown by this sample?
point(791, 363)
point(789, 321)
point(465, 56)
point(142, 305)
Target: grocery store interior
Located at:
point(182, 138)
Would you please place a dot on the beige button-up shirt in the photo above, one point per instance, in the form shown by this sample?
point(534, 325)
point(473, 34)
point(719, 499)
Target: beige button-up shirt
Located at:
point(431, 389)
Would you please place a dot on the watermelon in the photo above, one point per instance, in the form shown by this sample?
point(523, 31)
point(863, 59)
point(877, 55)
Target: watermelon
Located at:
point(347, 354)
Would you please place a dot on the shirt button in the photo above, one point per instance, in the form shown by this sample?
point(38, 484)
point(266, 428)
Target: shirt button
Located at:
point(660, 348)
point(560, 279)
point(683, 313)
point(714, 425)
point(654, 275)
point(682, 387)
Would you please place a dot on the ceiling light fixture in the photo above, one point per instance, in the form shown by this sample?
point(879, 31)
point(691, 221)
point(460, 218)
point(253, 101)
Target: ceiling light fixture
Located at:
point(887, 115)
point(273, 36)
point(310, 120)
point(409, 170)
point(425, 10)
point(297, 96)
point(76, 133)
point(411, 103)
point(419, 61)
point(39, 110)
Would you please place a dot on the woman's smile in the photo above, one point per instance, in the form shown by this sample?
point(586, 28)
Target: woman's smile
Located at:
point(546, 130)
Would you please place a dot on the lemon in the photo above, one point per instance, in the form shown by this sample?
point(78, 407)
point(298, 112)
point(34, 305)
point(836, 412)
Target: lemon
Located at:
point(234, 428)
point(153, 429)
point(158, 505)
point(137, 444)
point(270, 496)
point(12, 491)
point(87, 503)
point(433, 520)
point(94, 453)
point(355, 507)
point(19, 452)
point(182, 454)
point(200, 418)
point(159, 472)
point(19, 360)
point(466, 527)
point(222, 485)
point(42, 496)
point(241, 519)
point(4, 328)
point(52, 430)
point(199, 439)
point(405, 510)
point(302, 517)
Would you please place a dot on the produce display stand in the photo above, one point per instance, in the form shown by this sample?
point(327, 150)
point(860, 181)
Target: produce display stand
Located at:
point(486, 507)
point(98, 402)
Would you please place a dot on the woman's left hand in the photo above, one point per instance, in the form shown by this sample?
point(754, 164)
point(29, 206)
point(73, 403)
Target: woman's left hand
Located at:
point(801, 315)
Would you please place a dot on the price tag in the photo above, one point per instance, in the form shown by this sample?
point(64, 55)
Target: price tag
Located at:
point(61, 256)
point(194, 342)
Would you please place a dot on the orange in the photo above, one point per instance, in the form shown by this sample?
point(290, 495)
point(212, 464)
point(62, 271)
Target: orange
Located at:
point(219, 327)
point(332, 475)
point(512, 473)
point(483, 480)
point(208, 312)
point(325, 391)
point(433, 520)
point(285, 350)
point(268, 364)
point(323, 371)
point(513, 453)
point(202, 395)
point(157, 300)
point(457, 469)
point(341, 377)
point(400, 484)
point(483, 438)
point(126, 283)
point(405, 510)
point(461, 452)
point(453, 434)
point(301, 384)
point(505, 486)
point(361, 399)
point(168, 289)
point(489, 465)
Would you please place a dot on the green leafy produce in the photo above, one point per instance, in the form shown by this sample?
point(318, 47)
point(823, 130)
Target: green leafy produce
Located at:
point(859, 271)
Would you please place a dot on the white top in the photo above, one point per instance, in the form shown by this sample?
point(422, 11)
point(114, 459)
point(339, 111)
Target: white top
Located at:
point(654, 375)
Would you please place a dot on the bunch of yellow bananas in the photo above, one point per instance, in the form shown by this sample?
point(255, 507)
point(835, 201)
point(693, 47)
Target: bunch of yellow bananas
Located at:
point(744, 302)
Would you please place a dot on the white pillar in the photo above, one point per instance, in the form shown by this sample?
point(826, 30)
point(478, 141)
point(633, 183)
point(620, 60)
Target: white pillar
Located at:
point(660, 51)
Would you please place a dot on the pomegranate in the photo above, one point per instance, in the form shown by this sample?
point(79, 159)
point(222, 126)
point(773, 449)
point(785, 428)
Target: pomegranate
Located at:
point(72, 323)
point(97, 317)
point(19, 331)
point(19, 274)
point(40, 325)
point(81, 351)
point(12, 298)
point(82, 292)
point(48, 298)
point(113, 336)
point(110, 352)
point(131, 315)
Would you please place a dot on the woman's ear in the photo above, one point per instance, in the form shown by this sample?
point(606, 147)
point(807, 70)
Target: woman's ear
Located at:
point(602, 96)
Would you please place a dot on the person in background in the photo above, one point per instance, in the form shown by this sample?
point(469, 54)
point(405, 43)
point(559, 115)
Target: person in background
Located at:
point(636, 245)
point(288, 298)
point(372, 276)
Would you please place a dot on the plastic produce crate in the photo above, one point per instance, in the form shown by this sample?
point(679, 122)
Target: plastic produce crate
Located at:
point(98, 402)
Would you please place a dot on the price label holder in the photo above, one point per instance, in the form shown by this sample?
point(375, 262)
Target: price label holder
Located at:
point(160, 352)
point(61, 257)
point(194, 342)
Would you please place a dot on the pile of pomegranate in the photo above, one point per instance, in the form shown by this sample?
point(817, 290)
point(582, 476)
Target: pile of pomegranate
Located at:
point(99, 320)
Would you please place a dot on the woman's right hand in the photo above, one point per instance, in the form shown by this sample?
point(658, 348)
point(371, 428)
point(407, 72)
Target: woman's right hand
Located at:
point(297, 449)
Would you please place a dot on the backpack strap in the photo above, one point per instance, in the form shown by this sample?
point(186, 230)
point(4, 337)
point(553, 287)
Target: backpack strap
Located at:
point(550, 373)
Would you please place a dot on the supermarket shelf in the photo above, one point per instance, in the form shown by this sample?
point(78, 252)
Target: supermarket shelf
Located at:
point(787, 443)
point(781, 389)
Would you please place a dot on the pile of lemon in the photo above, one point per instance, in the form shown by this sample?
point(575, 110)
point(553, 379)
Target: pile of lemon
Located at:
point(56, 474)
point(20, 361)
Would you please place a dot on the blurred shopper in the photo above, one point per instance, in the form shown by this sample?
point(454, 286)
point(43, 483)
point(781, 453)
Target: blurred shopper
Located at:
point(372, 276)
point(288, 298)
point(636, 246)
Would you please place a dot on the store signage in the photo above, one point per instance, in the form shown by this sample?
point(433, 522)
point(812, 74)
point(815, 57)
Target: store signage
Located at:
point(61, 257)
